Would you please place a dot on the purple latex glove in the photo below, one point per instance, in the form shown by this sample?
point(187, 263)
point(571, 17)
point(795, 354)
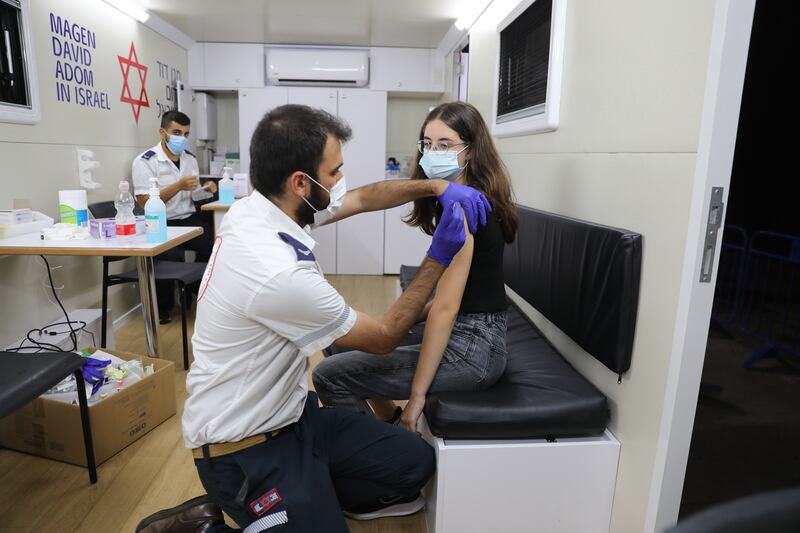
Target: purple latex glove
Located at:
point(92, 372)
point(449, 236)
point(473, 202)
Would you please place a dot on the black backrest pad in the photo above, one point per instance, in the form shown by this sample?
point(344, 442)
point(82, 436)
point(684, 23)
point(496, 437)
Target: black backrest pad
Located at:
point(583, 277)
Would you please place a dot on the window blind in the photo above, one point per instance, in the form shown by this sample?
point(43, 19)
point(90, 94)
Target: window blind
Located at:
point(13, 81)
point(524, 60)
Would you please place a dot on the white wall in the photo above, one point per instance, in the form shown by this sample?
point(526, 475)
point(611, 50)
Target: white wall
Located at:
point(403, 121)
point(39, 160)
point(624, 155)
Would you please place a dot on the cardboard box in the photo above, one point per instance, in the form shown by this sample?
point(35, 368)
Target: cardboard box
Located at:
point(53, 429)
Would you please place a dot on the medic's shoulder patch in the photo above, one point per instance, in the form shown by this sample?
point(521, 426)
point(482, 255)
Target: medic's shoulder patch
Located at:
point(266, 501)
point(302, 251)
point(148, 154)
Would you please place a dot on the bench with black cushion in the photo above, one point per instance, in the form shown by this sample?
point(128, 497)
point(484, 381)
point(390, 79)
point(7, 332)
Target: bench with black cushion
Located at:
point(532, 451)
point(584, 278)
point(26, 376)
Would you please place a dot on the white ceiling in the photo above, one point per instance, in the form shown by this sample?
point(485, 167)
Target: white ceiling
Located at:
point(403, 23)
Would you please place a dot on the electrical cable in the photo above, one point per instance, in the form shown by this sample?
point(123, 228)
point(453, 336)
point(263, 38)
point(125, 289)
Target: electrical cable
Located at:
point(81, 327)
point(39, 345)
point(72, 334)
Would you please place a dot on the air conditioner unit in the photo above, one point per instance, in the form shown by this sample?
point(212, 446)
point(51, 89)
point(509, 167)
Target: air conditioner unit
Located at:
point(317, 66)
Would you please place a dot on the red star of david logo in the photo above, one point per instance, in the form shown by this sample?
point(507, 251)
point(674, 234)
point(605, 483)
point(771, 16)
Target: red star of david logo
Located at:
point(125, 63)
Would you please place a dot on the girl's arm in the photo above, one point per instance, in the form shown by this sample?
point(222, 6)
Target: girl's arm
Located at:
point(441, 317)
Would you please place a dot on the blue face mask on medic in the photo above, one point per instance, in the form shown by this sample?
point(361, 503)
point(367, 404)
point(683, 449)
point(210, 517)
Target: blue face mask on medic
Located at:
point(177, 144)
point(441, 164)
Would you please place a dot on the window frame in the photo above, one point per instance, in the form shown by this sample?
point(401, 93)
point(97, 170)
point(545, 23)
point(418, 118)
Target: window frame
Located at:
point(16, 114)
point(548, 119)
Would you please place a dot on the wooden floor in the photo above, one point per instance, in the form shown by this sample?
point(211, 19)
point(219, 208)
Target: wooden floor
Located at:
point(154, 473)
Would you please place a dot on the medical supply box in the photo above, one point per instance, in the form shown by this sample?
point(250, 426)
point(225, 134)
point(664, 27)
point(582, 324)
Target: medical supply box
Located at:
point(16, 216)
point(52, 429)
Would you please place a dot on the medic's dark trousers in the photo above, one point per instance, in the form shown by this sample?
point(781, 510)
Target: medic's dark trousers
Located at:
point(330, 459)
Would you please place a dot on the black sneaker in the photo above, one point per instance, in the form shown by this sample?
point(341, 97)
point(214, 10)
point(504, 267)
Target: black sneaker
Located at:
point(393, 506)
point(164, 317)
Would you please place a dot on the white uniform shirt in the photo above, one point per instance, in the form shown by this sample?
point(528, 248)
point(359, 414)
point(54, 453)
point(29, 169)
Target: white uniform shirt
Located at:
point(155, 163)
point(263, 307)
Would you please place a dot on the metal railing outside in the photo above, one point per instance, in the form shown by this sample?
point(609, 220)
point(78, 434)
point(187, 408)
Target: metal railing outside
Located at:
point(758, 291)
point(727, 298)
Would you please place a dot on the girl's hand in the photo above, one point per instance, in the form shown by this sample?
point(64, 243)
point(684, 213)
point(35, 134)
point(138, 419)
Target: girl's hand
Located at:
point(411, 413)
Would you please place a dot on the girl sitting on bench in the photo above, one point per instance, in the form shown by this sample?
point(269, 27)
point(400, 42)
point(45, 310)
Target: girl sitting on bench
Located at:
point(463, 347)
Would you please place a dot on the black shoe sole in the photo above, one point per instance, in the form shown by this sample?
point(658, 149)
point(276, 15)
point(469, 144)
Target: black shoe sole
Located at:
point(199, 500)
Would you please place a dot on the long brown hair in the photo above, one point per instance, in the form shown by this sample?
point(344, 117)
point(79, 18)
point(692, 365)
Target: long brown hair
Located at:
point(485, 170)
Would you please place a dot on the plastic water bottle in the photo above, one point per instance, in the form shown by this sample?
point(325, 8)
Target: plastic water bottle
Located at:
point(227, 189)
point(155, 215)
point(124, 221)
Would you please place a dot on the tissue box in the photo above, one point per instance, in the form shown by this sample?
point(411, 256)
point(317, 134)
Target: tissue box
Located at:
point(102, 228)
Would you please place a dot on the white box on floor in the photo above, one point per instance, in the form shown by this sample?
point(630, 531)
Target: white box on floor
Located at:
point(510, 486)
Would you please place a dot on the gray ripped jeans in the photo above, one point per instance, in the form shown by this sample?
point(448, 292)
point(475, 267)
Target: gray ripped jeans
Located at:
point(474, 359)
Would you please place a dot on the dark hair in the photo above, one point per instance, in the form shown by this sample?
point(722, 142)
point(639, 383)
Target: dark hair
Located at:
point(176, 117)
point(288, 139)
point(485, 170)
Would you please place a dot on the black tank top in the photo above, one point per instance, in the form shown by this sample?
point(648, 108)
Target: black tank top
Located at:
point(485, 290)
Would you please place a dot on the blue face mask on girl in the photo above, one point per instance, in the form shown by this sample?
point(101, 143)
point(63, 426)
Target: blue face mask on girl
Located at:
point(441, 164)
point(177, 144)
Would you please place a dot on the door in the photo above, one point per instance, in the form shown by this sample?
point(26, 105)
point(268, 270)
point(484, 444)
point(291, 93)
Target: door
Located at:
point(727, 60)
point(360, 238)
point(321, 98)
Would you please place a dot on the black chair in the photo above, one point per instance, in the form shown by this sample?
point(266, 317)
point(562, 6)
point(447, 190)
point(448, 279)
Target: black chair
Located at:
point(769, 512)
point(26, 376)
point(183, 274)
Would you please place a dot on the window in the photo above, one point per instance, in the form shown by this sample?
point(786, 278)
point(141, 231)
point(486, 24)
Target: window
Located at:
point(529, 65)
point(19, 99)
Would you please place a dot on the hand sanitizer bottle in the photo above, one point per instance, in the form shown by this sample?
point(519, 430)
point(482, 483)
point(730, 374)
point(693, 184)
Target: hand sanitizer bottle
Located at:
point(155, 214)
point(226, 188)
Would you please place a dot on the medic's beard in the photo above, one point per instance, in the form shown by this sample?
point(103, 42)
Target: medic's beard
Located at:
point(318, 198)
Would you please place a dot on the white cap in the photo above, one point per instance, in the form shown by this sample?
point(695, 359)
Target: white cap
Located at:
point(154, 190)
point(124, 185)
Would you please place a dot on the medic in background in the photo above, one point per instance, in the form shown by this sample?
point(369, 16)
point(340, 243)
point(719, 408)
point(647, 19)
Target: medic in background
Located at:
point(178, 179)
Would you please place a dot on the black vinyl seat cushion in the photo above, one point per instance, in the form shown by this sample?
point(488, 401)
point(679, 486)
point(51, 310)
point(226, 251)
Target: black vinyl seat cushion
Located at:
point(25, 376)
point(539, 395)
point(584, 278)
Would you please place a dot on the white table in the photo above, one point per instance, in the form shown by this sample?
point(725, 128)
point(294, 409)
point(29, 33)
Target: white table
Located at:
point(219, 212)
point(31, 244)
